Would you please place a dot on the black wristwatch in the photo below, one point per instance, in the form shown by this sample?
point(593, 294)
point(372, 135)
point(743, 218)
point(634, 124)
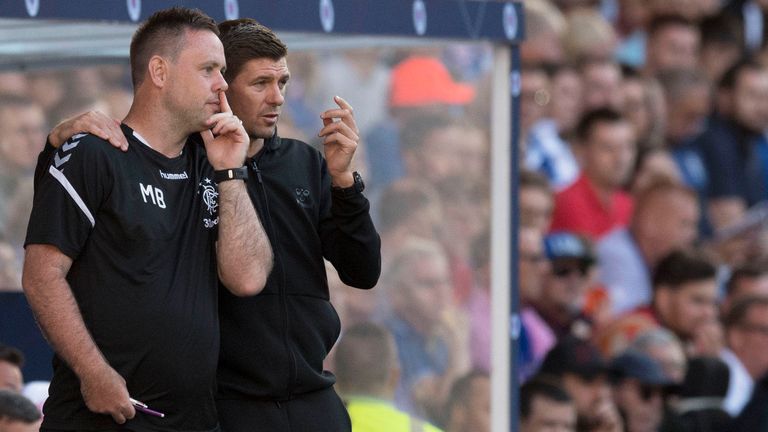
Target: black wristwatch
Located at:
point(357, 187)
point(230, 174)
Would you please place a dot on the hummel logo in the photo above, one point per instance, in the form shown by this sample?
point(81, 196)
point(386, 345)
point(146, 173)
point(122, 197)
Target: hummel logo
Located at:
point(69, 146)
point(58, 161)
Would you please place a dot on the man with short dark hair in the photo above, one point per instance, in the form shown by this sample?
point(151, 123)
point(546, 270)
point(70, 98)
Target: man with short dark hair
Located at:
point(546, 407)
point(596, 203)
point(583, 372)
point(273, 345)
point(11, 362)
point(123, 279)
point(17, 413)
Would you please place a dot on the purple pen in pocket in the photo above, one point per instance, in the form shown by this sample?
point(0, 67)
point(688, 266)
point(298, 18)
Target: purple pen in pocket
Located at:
point(141, 406)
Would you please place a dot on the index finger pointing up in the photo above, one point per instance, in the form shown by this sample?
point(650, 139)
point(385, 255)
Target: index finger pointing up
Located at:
point(342, 103)
point(223, 103)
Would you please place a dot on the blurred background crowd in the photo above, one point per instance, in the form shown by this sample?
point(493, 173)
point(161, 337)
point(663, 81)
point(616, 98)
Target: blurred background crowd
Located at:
point(643, 255)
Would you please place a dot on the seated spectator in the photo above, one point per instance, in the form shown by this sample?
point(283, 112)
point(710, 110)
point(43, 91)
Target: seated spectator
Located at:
point(561, 304)
point(595, 204)
point(469, 405)
point(700, 404)
point(583, 372)
point(746, 354)
point(545, 406)
point(673, 43)
point(684, 301)
point(665, 348)
point(722, 44)
point(536, 338)
point(430, 333)
point(548, 149)
point(748, 280)
point(17, 413)
point(666, 218)
point(733, 147)
point(11, 362)
point(643, 104)
point(639, 385)
point(536, 201)
point(602, 84)
point(588, 35)
point(544, 27)
point(367, 373)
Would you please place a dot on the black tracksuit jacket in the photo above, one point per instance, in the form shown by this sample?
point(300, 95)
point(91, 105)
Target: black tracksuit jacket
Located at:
point(273, 344)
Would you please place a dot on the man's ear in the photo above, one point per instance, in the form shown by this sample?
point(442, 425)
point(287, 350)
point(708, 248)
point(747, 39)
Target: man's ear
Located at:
point(158, 70)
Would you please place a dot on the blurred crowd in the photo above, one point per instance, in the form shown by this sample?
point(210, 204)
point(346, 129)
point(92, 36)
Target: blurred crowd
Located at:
point(643, 255)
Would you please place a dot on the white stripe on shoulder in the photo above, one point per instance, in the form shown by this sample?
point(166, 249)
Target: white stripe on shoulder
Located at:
point(58, 175)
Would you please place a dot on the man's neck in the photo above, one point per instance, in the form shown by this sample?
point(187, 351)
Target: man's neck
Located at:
point(256, 145)
point(158, 129)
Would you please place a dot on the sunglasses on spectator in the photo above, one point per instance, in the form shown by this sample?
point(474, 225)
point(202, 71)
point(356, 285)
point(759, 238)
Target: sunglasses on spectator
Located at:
point(564, 271)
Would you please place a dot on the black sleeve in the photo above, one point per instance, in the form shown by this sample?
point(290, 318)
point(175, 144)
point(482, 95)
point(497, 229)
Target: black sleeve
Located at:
point(350, 241)
point(70, 187)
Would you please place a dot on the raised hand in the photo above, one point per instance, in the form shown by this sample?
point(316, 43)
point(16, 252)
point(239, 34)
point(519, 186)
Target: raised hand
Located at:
point(340, 139)
point(226, 142)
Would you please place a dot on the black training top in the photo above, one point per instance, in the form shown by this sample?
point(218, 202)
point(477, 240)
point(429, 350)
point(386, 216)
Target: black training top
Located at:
point(273, 344)
point(141, 230)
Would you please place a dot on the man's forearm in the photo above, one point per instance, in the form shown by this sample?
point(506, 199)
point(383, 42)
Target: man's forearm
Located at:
point(244, 253)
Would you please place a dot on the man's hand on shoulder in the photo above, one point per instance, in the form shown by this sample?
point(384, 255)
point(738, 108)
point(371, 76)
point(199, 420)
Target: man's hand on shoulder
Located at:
point(93, 122)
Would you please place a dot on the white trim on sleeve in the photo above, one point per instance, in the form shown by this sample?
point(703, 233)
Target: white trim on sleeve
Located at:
point(58, 175)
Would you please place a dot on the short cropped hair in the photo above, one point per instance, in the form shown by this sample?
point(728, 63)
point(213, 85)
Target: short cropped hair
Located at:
point(246, 39)
point(682, 266)
point(461, 390)
point(11, 355)
point(737, 315)
point(163, 34)
point(749, 270)
point(543, 388)
point(591, 118)
point(365, 356)
point(17, 408)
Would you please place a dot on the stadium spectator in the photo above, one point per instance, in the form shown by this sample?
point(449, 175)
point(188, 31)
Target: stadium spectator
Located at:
point(602, 84)
point(583, 372)
point(665, 348)
point(17, 413)
point(673, 43)
point(469, 405)
point(536, 201)
point(748, 280)
point(746, 335)
point(367, 371)
point(699, 400)
point(11, 362)
point(596, 204)
point(545, 406)
point(639, 384)
point(666, 218)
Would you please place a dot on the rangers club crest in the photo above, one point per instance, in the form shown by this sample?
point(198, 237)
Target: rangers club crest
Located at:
point(210, 197)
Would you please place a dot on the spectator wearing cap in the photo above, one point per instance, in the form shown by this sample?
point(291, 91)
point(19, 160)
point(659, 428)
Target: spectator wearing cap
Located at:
point(699, 407)
point(684, 301)
point(665, 218)
point(418, 84)
point(639, 385)
point(545, 406)
point(746, 335)
point(596, 204)
point(11, 362)
point(583, 372)
point(17, 413)
point(572, 264)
